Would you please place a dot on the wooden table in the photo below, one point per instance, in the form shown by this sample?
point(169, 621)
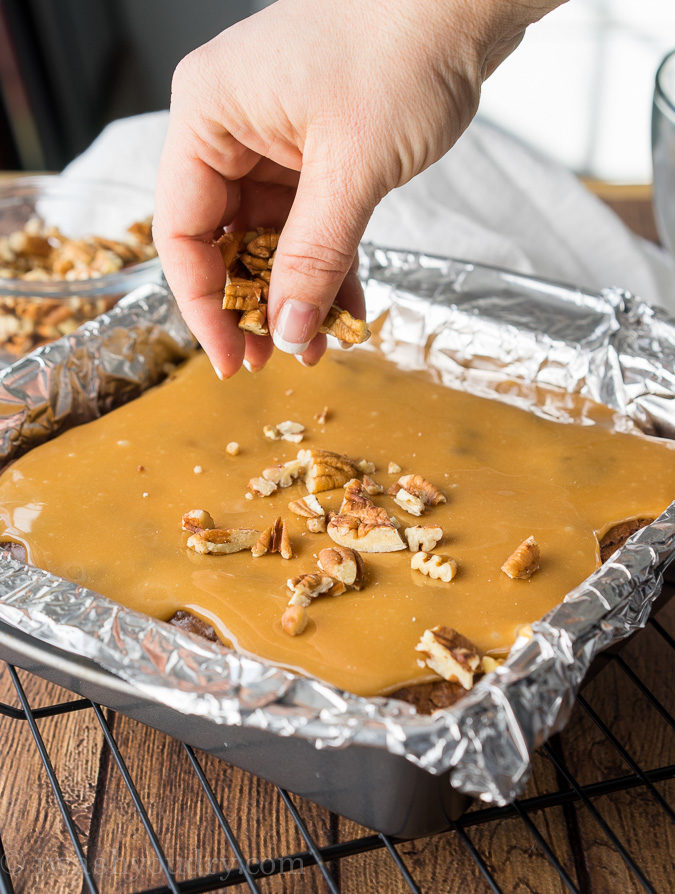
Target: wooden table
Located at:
point(118, 851)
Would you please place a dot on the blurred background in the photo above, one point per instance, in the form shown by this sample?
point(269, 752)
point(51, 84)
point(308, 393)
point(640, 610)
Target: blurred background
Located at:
point(579, 88)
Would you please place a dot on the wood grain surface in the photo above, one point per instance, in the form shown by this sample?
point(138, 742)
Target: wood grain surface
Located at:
point(121, 857)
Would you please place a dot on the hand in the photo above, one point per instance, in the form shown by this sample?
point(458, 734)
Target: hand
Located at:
point(304, 116)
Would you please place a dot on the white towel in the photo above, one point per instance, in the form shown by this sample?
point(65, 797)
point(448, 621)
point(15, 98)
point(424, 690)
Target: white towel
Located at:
point(491, 199)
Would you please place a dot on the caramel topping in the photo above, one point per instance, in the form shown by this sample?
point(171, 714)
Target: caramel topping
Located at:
point(77, 504)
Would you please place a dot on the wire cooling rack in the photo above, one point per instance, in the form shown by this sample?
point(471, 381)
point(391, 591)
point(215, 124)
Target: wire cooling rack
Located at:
point(256, 874)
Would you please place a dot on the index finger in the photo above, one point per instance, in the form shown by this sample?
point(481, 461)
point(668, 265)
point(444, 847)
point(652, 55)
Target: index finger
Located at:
point(193, 200)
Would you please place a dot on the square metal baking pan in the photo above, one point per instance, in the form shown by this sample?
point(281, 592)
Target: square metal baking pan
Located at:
point(374, 786)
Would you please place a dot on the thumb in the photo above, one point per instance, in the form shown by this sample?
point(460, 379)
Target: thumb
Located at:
point(316, 250)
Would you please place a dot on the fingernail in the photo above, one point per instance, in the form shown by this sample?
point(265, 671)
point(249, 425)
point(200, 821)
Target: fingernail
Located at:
point(248, 366)
point(301, 360)
point(295, 326)
point(219, 373)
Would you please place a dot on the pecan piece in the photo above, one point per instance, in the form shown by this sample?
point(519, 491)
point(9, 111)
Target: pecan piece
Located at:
point(326, 470)
point(423, 537)
point(262, 487)
point(372, 488)
point(229, 245)
point(363, 525)
point(284, 474)
point(450, 655)
point(434, 565)
point(294, 620)
point(410, 503)
point(255, 320)
point(346, 328)
point(222, 541)
point(307, 507)
point(523, 561)
point(274, 539)
point(343, 564)
point(263, 244)
point(306, 587)
point(197, 520)
point(253, 264)
point(416, 486)
point(365, 466)
point(241, 294)
point(356, 501)
point(380, 537)
point(285, 431)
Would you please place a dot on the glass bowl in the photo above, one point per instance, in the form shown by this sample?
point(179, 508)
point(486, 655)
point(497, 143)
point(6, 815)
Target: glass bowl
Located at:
point(34, 312)
point(663, 150)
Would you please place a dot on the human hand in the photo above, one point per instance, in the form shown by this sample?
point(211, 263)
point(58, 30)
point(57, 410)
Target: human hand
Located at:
point(304, 116)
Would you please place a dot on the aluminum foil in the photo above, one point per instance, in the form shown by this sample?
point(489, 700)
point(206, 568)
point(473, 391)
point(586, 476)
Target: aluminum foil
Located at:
point(476, 328)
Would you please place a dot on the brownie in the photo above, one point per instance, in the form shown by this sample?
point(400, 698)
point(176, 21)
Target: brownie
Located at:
point(617, 536)
point(191, 624)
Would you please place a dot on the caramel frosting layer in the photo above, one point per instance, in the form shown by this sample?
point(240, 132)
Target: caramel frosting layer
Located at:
point(102, 505)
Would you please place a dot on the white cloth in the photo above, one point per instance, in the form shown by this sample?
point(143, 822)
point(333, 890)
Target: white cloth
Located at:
point(491, 199)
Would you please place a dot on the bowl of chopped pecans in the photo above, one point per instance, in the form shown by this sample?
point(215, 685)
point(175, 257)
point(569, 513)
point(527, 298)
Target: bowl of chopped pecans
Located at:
point(69, 250)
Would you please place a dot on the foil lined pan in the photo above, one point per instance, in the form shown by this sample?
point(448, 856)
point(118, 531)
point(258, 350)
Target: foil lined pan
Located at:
point(476, 327)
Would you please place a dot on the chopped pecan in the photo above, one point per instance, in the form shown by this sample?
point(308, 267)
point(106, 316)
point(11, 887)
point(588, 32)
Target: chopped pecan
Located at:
point(262, 487)
point(222, 541)
point(294, 620)
point(363, 525)
point(346, 328)
point(306, 587)
point(228, 245)
point(196, 520)
point(380, 537)
point(393, 468)
point(410, 503)
point(241, 294)
point(326, 470)
point(291, 431)
point(263, 244)
point(450, 655)
point(416, 486)
point(253, 264)
point(523, 561)
point(317, 525)
point(255, 320)
point(356, 501)
point(285, 431)
point(232, 449)
point(343, 564)
point(23, 243)
point(365, 466)
point(141, 231)
point(285, 474)
point(322, 416)
point(274, 539)
point(424, 537)
point(307, 507)
point(434, 565)
point(372, 488)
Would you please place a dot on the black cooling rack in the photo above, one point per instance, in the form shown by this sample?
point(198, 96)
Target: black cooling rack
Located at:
point(254, 875)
